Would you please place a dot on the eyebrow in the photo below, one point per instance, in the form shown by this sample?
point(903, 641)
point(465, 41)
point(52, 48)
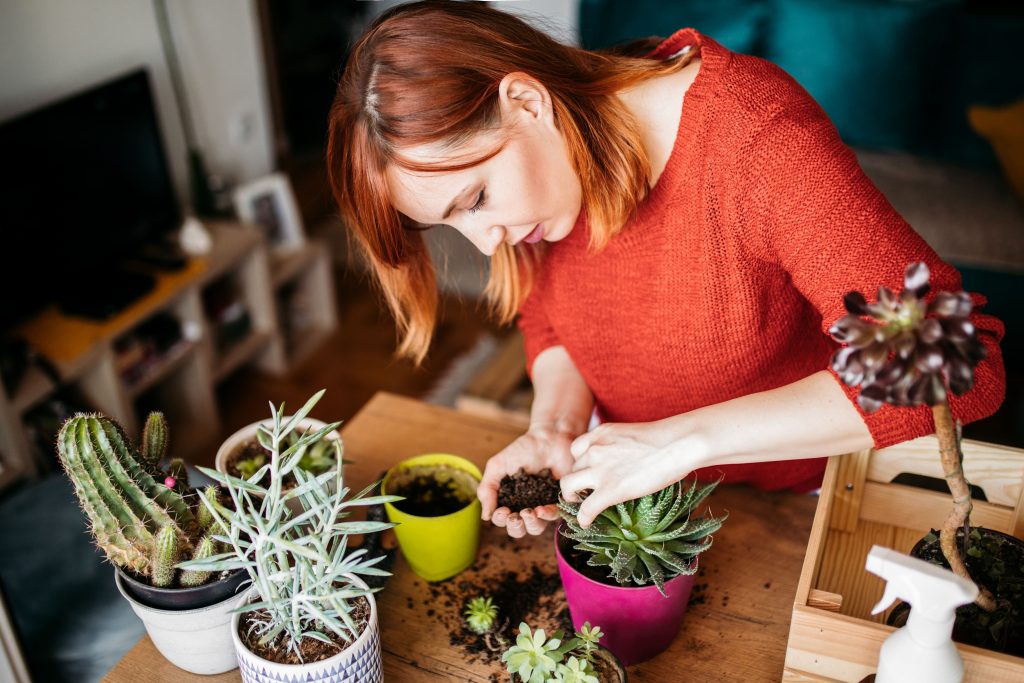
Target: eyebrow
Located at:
point(451, 207)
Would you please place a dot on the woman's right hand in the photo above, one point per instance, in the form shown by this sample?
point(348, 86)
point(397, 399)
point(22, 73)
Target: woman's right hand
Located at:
point(539, 448)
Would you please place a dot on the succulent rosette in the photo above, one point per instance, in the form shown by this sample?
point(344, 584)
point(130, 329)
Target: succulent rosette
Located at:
point(906, 351)
point(903, 350)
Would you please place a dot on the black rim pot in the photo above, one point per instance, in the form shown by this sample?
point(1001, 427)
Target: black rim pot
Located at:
point(183, 598)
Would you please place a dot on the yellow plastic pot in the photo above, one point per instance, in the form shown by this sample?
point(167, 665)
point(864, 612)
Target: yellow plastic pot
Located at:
point(437, 548)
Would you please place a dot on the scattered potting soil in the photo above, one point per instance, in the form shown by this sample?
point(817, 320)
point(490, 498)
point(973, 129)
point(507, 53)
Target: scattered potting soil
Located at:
point(312, 650)
point(432, 491)
point(997, 562)
point(523, 490)
point(536, 598)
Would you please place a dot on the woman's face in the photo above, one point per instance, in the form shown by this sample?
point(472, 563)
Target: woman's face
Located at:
point(528, 191)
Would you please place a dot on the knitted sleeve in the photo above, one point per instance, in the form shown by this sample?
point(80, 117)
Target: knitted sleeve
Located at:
point(810, 209)
point(538, 334)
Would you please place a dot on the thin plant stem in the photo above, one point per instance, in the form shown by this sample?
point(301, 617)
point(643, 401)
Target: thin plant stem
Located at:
point(959, 516)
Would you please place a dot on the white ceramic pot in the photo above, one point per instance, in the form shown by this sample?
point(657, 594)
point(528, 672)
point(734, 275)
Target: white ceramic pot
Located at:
point(248, 433)
point(358, 663)
point(196, 640)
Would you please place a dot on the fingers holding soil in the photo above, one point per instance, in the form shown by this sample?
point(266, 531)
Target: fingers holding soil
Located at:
point(524, 490)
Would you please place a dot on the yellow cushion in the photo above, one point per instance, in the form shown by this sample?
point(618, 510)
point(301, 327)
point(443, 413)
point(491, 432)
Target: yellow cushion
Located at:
point(1004, 129)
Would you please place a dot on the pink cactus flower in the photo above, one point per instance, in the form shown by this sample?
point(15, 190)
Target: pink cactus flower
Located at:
point(169, 482)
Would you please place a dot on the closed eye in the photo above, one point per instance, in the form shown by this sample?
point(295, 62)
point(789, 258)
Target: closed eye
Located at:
point(480, 199)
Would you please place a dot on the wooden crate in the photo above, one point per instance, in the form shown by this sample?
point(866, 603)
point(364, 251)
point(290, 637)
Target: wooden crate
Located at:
point(833, 636)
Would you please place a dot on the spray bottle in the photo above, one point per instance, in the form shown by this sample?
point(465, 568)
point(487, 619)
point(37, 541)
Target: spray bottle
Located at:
point(923, 650)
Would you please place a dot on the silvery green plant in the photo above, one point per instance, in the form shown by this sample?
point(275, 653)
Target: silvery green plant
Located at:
point(299, 563)
point(535, 658)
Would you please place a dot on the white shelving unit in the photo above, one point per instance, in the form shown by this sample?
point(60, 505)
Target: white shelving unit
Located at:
point(182, 383)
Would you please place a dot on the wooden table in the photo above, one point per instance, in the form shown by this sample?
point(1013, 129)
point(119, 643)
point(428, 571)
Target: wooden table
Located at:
point(738, 633)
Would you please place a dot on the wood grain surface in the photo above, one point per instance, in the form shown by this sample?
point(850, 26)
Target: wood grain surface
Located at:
point(737, 632)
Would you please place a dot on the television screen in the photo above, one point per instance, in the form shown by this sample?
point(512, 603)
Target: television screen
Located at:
point(84, 184)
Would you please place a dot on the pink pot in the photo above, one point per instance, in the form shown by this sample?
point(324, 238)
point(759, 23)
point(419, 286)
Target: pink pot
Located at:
point(638, 621)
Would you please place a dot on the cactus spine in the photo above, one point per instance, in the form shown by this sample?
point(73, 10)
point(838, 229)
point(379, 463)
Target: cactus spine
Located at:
point(142, 525)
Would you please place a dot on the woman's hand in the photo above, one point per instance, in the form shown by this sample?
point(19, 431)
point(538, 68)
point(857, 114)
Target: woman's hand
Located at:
point(537, 449)
point(620, 462)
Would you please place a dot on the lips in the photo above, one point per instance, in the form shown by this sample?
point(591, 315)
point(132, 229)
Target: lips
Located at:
point(536, 236)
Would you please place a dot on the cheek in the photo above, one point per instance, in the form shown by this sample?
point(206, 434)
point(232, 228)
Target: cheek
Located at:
point(543, 179)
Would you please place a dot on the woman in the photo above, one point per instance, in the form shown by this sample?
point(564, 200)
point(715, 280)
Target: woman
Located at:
point(676, 232)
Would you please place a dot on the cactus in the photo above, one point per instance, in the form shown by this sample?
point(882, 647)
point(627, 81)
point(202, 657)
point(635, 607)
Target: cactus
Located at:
point(203, 515)
point(165, 556)
point(178, 471)
point(142, 523)
point(154, 439)
point(205, 549)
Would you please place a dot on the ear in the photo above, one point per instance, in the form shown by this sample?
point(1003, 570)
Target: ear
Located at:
point(522, 96)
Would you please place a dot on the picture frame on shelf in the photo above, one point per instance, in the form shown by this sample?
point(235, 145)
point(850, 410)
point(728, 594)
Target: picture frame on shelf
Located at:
point(268, 203)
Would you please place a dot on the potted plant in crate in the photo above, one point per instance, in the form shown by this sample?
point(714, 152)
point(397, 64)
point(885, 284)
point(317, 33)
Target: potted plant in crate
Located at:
point(146, 519)
point(904, 351)
point(632, 570)
point(309, 616)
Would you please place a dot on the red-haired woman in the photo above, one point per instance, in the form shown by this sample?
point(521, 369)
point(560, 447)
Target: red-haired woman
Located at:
point(675, 231)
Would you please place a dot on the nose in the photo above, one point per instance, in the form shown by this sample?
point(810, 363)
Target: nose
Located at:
point(491, 239)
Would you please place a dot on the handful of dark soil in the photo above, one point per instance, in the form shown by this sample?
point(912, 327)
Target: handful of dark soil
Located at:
point(523, 490)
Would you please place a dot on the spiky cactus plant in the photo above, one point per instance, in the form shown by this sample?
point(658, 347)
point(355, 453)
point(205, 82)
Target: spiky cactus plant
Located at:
point(646, 540)
point(138, 517)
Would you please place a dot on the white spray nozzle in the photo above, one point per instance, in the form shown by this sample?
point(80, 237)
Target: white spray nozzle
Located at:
point(933, 591)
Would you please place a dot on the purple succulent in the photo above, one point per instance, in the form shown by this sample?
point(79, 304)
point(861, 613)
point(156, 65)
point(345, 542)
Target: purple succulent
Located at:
point(904, 351)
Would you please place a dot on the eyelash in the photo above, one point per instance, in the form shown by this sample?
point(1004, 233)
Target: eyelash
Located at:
point(481, 198)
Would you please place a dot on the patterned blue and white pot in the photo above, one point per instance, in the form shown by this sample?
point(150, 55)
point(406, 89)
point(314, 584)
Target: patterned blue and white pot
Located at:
point(359, 663)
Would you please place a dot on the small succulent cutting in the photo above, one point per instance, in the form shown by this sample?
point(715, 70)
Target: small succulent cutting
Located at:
point(646, 540)
point(481, 615)
point(536, 658)
point(905, 351)
point(144, 518)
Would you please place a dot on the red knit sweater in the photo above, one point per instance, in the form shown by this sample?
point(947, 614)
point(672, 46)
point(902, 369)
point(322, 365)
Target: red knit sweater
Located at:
point(734, 267)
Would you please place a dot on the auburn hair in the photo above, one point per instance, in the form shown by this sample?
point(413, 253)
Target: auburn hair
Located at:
point(429, 72)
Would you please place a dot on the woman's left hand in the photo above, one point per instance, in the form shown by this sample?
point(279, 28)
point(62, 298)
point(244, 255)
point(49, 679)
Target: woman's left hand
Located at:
point(620, 462)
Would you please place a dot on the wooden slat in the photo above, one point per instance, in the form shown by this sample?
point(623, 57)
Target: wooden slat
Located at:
point(914, 508)
point(846, 649)
point(793, 676)
point(849, 484)
point(815, 544)
point(842, 568)
point(830, 602)
point(998, 470)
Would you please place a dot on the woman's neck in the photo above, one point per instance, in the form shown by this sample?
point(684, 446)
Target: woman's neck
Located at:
point(657, 106)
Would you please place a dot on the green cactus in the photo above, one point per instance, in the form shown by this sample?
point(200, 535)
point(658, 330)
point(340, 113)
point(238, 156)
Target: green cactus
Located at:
point(165, 556)
point(206, 548)
point(203, 515)
point(154, 439)
point(143, 525)
point(177, 469)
